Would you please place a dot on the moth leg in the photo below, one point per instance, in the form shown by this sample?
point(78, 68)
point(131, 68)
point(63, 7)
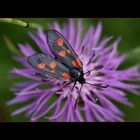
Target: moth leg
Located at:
point(78, 98)
point(44, 80)
point(37, 74)
point(65, 85)
point(75, 105)
point(73, 86)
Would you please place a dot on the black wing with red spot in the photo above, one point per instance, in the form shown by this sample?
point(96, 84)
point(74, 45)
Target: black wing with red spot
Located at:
point(49, 66)
point(62, 50)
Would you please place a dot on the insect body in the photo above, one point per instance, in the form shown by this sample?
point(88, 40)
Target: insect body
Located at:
point(77, 75)
point(65, 64)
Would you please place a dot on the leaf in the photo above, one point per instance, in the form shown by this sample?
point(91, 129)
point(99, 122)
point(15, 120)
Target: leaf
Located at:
point(134, 55)
point(10, 45)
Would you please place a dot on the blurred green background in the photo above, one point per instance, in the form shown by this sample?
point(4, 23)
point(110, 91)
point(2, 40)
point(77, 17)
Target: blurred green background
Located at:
point(128, 29)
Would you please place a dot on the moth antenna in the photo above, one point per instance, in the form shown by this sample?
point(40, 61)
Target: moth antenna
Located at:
point(91, 58)
point(78, 97)
point(98, 85)
point(96, 68)
point(83, 49)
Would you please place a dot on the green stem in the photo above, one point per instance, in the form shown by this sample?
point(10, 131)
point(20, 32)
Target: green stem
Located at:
point(20, 23)
point(14, 21)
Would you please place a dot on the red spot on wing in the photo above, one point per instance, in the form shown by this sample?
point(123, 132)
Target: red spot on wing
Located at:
point(75, 64)
point(68, 51)
point(53, 64)
point(79, 62)
point(62, 53)
point(66, 75)
point(41, 65)
point(60, 42)
point(65, 79)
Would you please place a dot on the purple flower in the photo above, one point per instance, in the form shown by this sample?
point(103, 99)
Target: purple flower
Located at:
point(53, 102)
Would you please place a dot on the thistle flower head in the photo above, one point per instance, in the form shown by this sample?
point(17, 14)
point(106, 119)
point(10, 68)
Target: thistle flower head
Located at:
point(53, 101)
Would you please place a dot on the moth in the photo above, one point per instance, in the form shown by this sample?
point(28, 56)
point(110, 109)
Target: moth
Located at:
point(65, 65)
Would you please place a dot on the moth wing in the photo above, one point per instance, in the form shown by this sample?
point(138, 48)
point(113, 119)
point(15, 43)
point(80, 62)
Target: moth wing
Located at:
point(47, 65)
point(62, 50)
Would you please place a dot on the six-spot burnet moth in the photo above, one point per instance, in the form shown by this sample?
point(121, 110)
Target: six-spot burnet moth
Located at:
point(65, 66)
